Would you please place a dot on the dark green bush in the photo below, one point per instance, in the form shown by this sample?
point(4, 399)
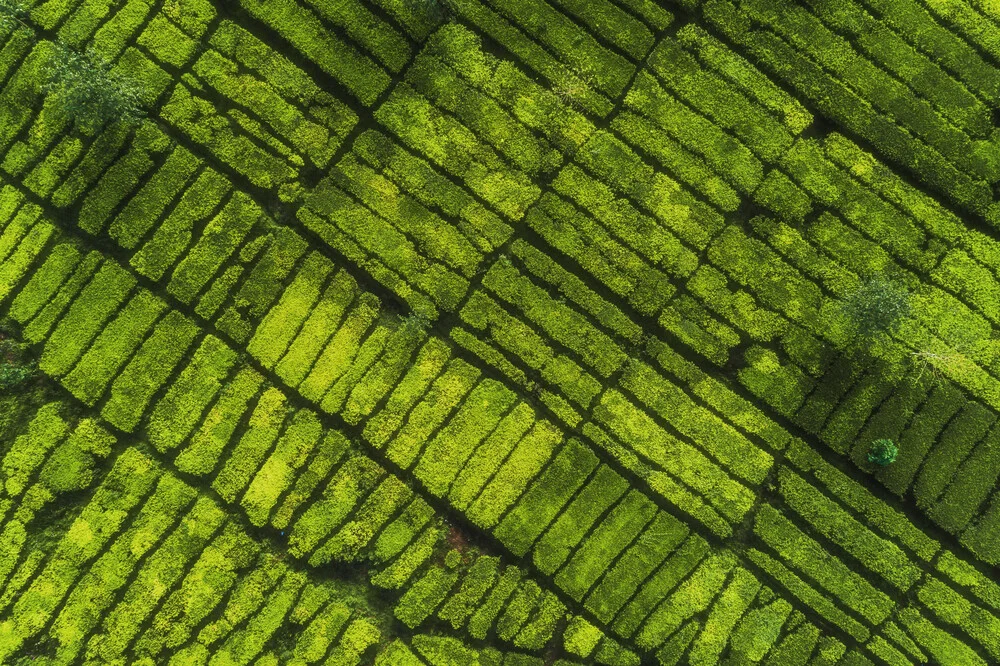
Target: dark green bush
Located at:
point(877, 306)
point(882, 452)
point(88, 93)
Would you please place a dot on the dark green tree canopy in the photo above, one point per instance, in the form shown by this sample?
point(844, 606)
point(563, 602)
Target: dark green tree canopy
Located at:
point(879, 305)
point(88, 93)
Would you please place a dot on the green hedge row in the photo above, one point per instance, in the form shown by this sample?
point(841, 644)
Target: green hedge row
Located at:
point(898, 234)
point(833, 98)
point(456, 150)
point(673, 405)
point(947, 48)
point(883, 92)
point(570, 43)
point(435, 237)
point(622, 525)
point(354, 480)
point(600, 493)
point(657, 244)
point(282, 323)
point(575, 234)
point(612, 161)
point(484, 314)
point(352, 539)
point(808, 556)
point(739, 307)
point(616, 26)
point(712, 391)
point(276, 473)
point(973, 482)
point(218, 569)
point(481, 226)
point(689, 598)
point(173, 234)
point(833, 522)
point(484, 116)
point(383, 375)
point(921, 74)
point(925, 435)
point(939, 643)
point(273, 256)
point(284, 77)
point(437, 403)
point(305, 136)
point(148, 370)
point(306, 32)
point(749, 80)
point(157, 575)
point(576, 86)
point(479, 579)
point(321, 322)
point(142, 211)
point(527, 458)
point(37, 329)
point(220, 239)
point(661, 482)
point(341, 349)
point(198, 118)
point(635, 567)
point(559, 321)
point(84, 319)
point(724, 154)
point(576, 290)
point(325, 455)
point(677, 158)
point(367, 29)
point(546, 111)
point(380, 238)
point(488, 457)
point(429, 361)
point(546, 497)
point(95, 592)
point(263, 428)
point(724, 104)
point(808, 595)
point(113, 347)
point(640, 433)
point(126, 484)
point(876, 514)
point(201, 453)
point(445, 454)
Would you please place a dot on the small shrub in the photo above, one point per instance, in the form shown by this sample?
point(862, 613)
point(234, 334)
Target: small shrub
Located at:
point(88, 93)
point(882, 452)
point(15, 368)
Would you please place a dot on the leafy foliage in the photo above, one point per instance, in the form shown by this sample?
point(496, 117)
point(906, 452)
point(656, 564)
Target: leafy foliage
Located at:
point(15, 368)
point(883, 452)
point(88, 93)
point(878, 306)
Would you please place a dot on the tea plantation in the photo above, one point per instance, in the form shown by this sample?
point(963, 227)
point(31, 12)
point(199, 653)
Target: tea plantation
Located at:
point(499, 332)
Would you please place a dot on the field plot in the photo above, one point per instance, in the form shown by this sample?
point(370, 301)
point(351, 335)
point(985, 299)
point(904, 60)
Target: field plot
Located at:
point(499, 332)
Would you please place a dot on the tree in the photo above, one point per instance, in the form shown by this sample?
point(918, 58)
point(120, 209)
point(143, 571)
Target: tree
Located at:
point(882, 452)
point(877, 306)
point(88, 93)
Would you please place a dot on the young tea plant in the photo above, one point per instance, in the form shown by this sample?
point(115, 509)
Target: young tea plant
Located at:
point(87, 92)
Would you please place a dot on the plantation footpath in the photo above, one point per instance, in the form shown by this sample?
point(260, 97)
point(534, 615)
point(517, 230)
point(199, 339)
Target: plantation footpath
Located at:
point(499, 332)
